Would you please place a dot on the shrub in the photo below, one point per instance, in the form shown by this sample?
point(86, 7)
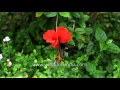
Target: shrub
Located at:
point(27, 55)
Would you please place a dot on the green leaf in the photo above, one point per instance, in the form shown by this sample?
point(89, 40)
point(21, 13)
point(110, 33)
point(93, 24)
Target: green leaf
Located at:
point(109, 41)
point(99, 74)
point(80, 45)
point(90, 48)
point(66, 54)
point(81, 14)
point(71, 30)
point(42, 76)
point(50, 14)
point(84, 58)
point(64, 14)
point(52, 56)
point(90, 67)
point(76, 14)
point(86, 17)
point(47, 71)
point(82, 24)
point(100, 35)
point(103, 46)
point(88, 31)
point(63, 24)
point(38, 14)
point(109, 68)
point(18, 75)
point(45, 66)
point(80, 30)
point(113, 48)
point(71, 42)
point(35, 61)
point(34, 51)
point(75, 69)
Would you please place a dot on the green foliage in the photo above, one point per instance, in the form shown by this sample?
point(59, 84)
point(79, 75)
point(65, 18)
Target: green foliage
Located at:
point(113, 48)
point(50, 14)
point(38, 14)
point(80, 31)
point(64, 14)
point(27, 55)
point(100, 35)
point(90, 67)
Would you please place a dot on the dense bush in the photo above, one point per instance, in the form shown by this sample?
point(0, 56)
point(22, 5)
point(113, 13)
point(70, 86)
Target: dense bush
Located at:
point(27, 55)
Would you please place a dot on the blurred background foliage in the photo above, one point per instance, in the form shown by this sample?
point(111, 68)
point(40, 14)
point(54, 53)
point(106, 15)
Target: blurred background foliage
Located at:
point(96, 34)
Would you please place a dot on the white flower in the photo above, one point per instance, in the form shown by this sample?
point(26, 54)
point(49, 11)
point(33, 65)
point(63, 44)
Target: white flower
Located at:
point(6, 39)
point(9, 63)
point(1, 56)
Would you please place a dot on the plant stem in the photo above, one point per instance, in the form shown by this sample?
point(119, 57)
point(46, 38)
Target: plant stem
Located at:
point(56, 20)
point(3, 44)
point(74, 26)
point(59, 48)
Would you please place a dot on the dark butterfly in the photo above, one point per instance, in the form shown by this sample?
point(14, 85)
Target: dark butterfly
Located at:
point(65, 47)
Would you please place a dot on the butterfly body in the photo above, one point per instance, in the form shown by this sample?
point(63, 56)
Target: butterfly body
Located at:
point(65, 47)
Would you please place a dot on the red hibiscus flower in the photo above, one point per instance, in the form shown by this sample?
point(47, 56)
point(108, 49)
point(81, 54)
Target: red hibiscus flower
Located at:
point(61, 35)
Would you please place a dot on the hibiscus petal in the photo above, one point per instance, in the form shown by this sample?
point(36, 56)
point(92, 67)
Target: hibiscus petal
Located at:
point(51, 37)
point(63, 34)
point(55, 44)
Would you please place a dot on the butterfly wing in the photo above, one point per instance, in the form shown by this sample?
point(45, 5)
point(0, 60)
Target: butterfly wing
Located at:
point(65, 47)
